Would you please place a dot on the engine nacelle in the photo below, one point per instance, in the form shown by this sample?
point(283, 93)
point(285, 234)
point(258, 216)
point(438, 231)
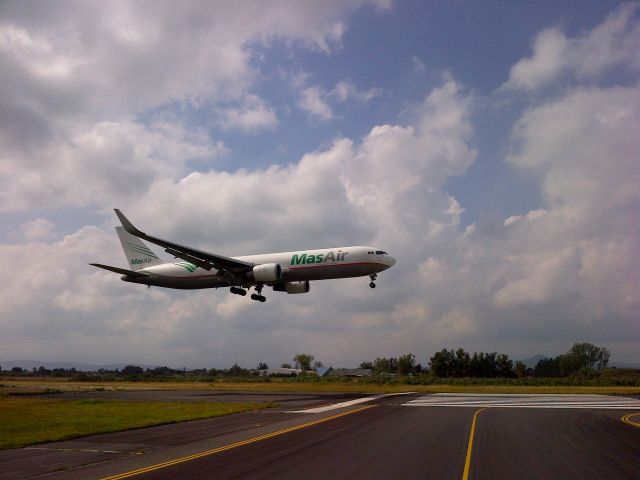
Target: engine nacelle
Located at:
point(267, 272)
point(292, 287)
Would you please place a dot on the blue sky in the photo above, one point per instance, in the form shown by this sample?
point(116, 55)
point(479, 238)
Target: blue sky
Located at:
point(490, 145)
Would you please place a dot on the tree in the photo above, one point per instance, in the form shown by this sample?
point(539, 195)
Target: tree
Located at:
point(587, 355)
point(504, 366)
point(442, 364)
point(366, 365)
point(262, 366)
point(520, 369)
point(317, 364)
point(461, 363)
point(132, 370)
point(548, 367)
point(285, 365)
point(237, 371)
point(406, 364)
point(581, 356)
point(303, 361)
point(385, 365)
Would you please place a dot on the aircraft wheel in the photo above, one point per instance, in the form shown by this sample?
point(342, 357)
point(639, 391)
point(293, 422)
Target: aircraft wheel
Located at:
point(372, 285)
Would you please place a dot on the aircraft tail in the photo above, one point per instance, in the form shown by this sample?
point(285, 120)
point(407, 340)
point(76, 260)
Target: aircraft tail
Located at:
point(137, 253)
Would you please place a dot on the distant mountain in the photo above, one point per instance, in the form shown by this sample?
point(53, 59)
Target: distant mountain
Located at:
point(82, 367)
point(624, 365)
point(531, 362)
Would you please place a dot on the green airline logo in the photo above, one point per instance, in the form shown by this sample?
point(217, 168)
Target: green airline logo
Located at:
point(307, 258)
point(190, 267)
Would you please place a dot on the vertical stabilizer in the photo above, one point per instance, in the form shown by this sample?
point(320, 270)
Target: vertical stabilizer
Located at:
point(137, 253)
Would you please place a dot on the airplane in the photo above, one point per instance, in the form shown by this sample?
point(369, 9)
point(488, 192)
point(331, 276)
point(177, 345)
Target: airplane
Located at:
point(288, 272)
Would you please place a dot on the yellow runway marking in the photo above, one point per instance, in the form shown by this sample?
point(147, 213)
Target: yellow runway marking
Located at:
point(467, 462)
point(206, 453)
point(627, 419)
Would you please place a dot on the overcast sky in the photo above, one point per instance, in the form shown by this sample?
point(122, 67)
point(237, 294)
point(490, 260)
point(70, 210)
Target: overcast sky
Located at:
point(492, 147)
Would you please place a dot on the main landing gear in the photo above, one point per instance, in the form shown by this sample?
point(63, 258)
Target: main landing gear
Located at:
point(254, 296)
point(373, 277)
point(258, 295)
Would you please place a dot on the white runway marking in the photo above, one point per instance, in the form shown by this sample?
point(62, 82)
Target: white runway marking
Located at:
point(336, 406)
point(479, 400)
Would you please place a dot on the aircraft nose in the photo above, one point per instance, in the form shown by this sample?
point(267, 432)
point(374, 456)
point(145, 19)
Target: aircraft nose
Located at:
point(392, 260)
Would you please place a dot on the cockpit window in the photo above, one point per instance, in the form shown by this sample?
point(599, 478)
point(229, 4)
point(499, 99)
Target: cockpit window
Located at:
point(380, 252)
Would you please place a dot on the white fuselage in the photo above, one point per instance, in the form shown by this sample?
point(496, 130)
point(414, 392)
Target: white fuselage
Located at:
point(322, 264)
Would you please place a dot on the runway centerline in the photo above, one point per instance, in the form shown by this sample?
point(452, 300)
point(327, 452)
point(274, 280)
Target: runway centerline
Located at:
point(467, 461)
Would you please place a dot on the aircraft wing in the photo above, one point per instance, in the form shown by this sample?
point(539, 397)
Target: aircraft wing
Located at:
point(202, 259)
point(121, 271)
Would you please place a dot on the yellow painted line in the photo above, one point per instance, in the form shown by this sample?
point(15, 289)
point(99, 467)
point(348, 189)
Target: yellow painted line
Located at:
point(213, 451)
point(627, 419)
point(467, 462)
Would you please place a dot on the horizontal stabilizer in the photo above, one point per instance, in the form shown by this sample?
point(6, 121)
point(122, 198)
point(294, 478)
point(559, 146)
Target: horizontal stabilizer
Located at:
point(121, 271)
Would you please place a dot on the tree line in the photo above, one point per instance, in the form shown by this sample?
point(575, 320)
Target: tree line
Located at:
point(581, 358)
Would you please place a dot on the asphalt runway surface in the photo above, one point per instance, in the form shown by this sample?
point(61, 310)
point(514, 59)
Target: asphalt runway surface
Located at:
point(347, 436)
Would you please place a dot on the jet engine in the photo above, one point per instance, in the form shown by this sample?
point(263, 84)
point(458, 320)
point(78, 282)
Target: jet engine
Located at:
point(267, 272)
point(292, 287)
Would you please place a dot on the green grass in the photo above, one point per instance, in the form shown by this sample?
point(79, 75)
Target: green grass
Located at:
point(35, 386)
point(27, 421)
point(362, 387)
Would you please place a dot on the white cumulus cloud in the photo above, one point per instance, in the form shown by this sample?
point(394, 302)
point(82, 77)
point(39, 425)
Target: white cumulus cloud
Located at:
point(613, 43)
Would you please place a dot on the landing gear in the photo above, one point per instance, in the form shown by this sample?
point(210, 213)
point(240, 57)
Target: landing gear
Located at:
point(238, 291)
point(258, 295)
point(373, 277)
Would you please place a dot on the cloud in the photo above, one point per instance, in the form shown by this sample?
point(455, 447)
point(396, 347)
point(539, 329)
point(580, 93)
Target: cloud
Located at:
point(253, 115)
point(85, 90)
point(613, 43)
point(110, 160)
point(311, 101)
point(346, 90)
point(584, 149)
point(315, 100)
point(418, 64)
point(545, 64)
point(34, 231)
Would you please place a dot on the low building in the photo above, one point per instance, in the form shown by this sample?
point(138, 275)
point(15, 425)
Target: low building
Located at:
point(279, 372)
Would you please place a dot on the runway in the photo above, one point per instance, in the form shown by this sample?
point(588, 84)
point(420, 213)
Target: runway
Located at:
point(410, 436)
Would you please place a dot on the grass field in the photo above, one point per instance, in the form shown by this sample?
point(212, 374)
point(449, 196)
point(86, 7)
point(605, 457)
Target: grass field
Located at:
point(26, 421)
point(22, 386)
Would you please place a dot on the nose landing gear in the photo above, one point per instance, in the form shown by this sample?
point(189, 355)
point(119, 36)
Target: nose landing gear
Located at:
point(373, 277)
